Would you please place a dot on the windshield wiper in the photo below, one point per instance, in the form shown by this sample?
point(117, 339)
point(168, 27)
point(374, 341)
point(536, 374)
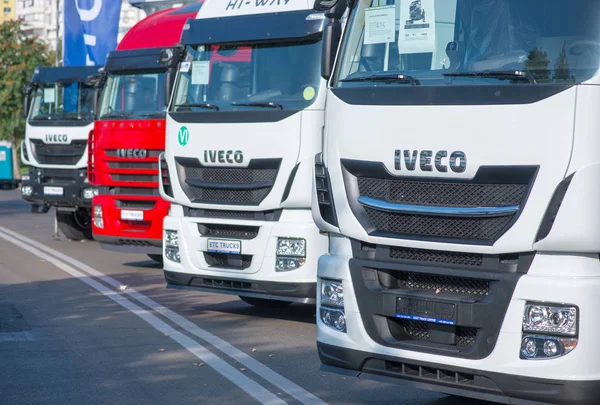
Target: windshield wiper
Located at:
point(116, 115)
point(385, 78)
point(497, 74)
point(207, 106)
point(269, 104)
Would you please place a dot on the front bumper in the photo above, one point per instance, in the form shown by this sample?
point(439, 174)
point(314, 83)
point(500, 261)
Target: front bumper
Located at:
point(501, 375)
point(71, 181)
point(143, 236)
point(258, 276)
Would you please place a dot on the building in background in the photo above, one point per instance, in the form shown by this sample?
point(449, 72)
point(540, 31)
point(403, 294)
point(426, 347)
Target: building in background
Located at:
point(8, 10)
point(39, 18)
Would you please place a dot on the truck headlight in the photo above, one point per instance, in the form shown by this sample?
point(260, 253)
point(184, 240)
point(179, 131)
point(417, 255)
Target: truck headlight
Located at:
point(332, 311)
point(332, 293)
point(24, 177)
point(172, 246)
point(97, 216)
point(553, 319)
point(89, 193)
point(290, 254)
point(26, 191)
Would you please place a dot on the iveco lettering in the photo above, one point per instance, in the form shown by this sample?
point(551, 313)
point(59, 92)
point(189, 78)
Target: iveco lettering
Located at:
point(132, 153)
point(244, 123)
point(59, 112)
point(458, 184)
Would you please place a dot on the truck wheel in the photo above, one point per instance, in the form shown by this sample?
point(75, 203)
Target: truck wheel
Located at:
point(265, 303)
point(156, 258)
point(75, 225)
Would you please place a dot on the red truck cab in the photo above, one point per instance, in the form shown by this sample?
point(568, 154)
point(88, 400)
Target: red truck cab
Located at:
point(129, 135)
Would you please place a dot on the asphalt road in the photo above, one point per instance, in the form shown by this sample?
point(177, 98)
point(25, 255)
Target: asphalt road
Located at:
point(81, 325)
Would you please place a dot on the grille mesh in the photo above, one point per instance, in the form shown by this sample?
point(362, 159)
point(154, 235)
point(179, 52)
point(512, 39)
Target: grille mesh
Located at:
point(227, 260)
point(229, 214)
point(58, 154)
point(417, 330)
point(435, 226)
point(434, 256)
point(457, 286)
point(228, 196)
point(466, 336)
point(230, 175)
point(134, 165)
point(442, 194)
point(228, 231)
point(139, 178)
point(145, 191)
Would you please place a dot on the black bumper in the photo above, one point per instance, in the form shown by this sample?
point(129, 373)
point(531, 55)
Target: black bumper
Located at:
point(295, 292)
point(72, 182)
point(9, 183)
point(497, 387)
point(130, 245)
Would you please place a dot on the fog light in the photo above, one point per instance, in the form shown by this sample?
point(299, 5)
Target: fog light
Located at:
point(172, 254)
point(553, 319)
point(99, 223)
point(97, 216)
point(24, 177)
point(89, 193)
point(332, 293)
point(288, 263)
point(171, 239)
point(334, 318)
point(26, 190)
point(546, 347)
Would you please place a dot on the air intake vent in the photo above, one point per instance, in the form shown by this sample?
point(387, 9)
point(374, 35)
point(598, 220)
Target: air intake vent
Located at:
point(323, 188)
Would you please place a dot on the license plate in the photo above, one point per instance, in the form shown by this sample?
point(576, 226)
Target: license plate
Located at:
point(129, 215)
point(225, 246)
point(426, 311)
point(53, 190)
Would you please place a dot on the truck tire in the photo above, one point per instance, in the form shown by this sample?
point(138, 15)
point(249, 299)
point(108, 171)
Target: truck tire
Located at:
point(265, 303)
point(156, 258)
point(75, 225)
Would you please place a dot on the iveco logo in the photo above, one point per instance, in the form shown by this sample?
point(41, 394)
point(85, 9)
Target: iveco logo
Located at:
point(132, 153)
point(223, 156)
point(57, 138)
point(428, 159)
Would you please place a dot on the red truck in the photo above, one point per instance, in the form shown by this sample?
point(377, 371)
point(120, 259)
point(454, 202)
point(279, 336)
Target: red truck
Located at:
point(129, 135)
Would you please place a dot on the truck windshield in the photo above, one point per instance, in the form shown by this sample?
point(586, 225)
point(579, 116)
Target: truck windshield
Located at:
point(62, 101)
point(277, 76)
point(133, 96)
point(470, 42)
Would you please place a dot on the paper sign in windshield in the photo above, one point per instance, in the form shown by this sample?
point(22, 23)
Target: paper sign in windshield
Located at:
point(49, 95)
point(185, 67)
point(380, 25)
point(417, 27)
point(200, 71)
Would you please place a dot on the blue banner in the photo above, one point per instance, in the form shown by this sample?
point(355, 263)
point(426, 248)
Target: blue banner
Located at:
point(91, 29)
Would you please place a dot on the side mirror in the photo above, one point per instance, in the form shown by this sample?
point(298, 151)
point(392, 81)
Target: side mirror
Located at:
point(331, 39)
point(333, 8)
point(170, 76)
point(27, 90)
point(170, 57)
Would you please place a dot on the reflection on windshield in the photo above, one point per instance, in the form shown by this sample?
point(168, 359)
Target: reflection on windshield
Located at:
point(276, 76)
point(471, 42)
point(133, 96)
point(62, 101)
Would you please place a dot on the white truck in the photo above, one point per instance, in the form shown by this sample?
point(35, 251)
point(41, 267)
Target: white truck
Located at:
point(59, 111)
point(459, 180)
point(243, 126)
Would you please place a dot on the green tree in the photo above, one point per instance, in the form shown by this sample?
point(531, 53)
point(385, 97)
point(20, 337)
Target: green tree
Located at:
point(561, 67)
point(19, 55)
point(537, 63)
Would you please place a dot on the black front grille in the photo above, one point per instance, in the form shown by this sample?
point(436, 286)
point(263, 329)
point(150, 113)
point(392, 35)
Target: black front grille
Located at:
point(224, 260)
point(58, 154)
point(442, 194)
point(423, 331)
point(135, 242)
point(228, 185)
point(436, 256)
point(438, 284)
point(272, 215)
point(228, 231)
point(136, 204)
point(217, 283)
point(137, 178)
point(134, 165)
point(464, 228)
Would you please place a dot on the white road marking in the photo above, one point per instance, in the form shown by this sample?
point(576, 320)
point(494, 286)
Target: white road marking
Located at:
point(252, 364)
point(250, 386)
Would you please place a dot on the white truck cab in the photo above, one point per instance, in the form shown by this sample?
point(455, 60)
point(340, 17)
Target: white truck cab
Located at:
point(59, 106)
point(244, 124)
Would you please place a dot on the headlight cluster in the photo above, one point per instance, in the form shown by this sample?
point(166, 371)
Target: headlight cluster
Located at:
point(548, 330)
point(172, 246)
point(97, 216)
point(291, 254)
point(27, 191)
point(332, 305)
